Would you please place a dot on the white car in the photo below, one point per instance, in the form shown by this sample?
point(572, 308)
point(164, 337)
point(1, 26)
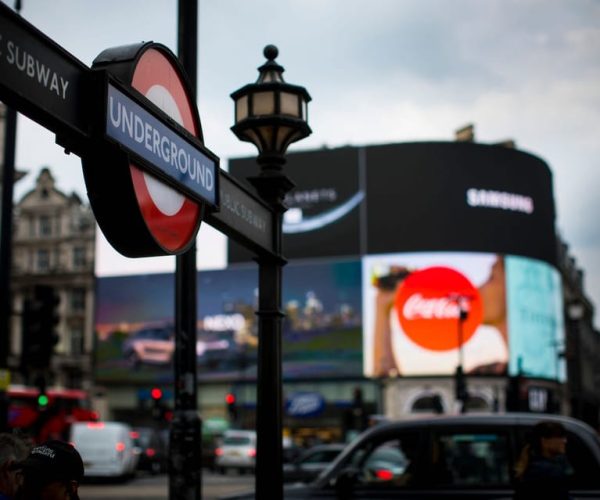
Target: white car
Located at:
point(237, 451)
point(106, 448)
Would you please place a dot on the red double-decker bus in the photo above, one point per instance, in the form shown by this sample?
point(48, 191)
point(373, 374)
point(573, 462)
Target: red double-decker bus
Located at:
point(50, 418)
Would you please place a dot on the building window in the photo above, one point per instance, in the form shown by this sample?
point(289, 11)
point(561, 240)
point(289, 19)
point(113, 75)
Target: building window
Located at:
point(77, 341)
point(43, 260)
point(430, 403)
point(78, 257)
point(78, 299)
point(31, 225)
point(45, 225)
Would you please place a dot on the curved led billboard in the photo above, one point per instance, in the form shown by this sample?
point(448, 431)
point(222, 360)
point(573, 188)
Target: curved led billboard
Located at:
point(459, 197)
point(424, 313)
point(323, 218)
point(413, 197)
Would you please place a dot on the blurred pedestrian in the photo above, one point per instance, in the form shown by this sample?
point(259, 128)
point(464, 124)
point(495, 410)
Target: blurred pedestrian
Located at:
point(52, 471)
point(542, 469)
point(12, 450)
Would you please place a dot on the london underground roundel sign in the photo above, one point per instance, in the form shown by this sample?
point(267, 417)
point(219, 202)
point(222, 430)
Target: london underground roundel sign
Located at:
point(139, 213)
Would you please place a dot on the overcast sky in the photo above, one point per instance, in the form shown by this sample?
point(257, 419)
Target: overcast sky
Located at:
point(378, 71)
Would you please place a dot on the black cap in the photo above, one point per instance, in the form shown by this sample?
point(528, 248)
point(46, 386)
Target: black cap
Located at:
point(53, 461)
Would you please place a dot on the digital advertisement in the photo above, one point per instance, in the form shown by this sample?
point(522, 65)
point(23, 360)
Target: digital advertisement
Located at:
point(414, 197)
point(426, 313)
point(324, 207)
point(321, 331)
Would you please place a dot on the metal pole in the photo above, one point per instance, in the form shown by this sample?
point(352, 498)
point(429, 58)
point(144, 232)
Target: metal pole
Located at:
point(462, 317)
point(269, 453)
point(461, 354)
point(185, 478)
point(6, 228)
point(269, 456)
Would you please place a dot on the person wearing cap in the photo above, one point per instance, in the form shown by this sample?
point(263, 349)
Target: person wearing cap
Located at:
point(12, 450)
point(52, 471)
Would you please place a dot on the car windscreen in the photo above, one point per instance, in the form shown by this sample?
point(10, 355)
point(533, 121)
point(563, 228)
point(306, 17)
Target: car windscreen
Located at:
point(322, 456)
point(464, 459)
point(236, 441)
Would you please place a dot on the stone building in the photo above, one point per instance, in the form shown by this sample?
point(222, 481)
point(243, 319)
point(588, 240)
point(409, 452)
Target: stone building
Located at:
point(54, 245)
point(582, 346)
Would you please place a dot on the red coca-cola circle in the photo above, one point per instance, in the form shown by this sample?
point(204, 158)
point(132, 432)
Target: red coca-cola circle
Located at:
point(427, 304)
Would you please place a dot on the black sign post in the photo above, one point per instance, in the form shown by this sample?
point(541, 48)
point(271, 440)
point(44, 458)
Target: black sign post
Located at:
point(6, 229)
point(243, 216)
point(185, 474)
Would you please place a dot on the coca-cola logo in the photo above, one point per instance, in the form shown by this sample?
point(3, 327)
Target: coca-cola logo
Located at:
point(429, 304)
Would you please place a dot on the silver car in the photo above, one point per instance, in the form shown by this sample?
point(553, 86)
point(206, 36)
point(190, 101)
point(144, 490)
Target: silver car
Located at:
point(237, 451)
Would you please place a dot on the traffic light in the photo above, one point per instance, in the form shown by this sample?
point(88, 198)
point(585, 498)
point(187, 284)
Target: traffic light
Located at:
point(514, 400)
point(156, 393)
point(158, 408)
point(231, 406)
point(359, 414)
point(460, 387)
point(42, 399)
point(39, 320)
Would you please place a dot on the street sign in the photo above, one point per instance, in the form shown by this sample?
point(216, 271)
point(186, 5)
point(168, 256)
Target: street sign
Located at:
point(167, 151)
point(158, 174)
point(148, 194)
point(40, 78)
point(242, 215)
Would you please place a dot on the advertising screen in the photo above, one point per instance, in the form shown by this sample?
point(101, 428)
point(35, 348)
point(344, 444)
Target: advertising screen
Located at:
point(424, 313)
point(324, 207)
point(459, 197)
point(415, 197)
point(321, 333)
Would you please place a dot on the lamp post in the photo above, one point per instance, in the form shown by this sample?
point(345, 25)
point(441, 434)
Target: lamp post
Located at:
point(462, 393)
point(575, 314)
point(271, 114)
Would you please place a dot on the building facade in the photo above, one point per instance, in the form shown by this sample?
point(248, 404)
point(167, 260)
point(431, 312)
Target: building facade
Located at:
point(582, 346)
point(455, 240)
point(458, 239)
point(54, 245)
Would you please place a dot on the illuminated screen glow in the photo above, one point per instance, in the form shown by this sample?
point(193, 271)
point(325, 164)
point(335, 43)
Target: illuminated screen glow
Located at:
point(534, 293)
point(321, 332)
point(413, 324)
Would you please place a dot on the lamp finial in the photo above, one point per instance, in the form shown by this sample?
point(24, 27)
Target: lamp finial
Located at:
point(271, 52)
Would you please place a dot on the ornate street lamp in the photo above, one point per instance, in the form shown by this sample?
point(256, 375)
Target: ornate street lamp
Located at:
point(271, 114)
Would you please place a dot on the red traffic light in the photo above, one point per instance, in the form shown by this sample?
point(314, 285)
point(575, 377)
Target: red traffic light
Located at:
point(156, 393)
point(230, 398)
